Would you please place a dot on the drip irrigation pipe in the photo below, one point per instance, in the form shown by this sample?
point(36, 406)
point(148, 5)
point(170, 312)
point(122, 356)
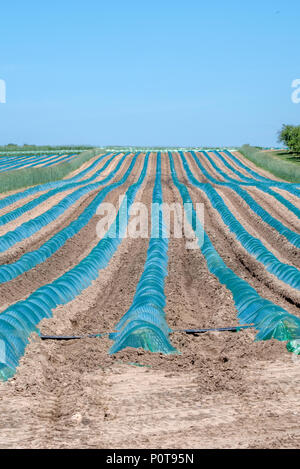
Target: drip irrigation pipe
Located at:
point(72, 337)
point(187, 331)
point(217, 329)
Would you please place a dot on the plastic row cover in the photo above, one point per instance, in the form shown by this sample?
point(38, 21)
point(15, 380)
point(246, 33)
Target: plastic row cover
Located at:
point(234, 170)
point(264, 187)
point(285, 272)
point(6, 161)
point(18, 321)
point(58, 160)
point(290, 235)
point(50, 160)
point(10, 159)
point(30, 227)
point(144, 324)
point(288, 186)
point(11, 199)
point(13, 214)
point(249, 182)
point(269, 319)
point(31, 259)
point(251, 171)
point(10, 163)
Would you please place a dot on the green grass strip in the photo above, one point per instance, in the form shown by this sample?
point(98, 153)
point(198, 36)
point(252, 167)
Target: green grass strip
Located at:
point(18, 179)
point(281, 168)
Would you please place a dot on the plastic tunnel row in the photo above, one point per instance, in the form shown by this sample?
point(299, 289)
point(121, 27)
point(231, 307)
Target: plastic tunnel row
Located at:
point(269, 319)
point(18, 321)
point(58, 160)
point(13, 160)
point(11, 199)
point(31, 259)
point(30, 227)
point(291, 236)
point(49, 161)
point(144, 324)
point(10, 162)
point(291, 187)
point(254, 174)
point(14, 214)
point(251, 183)
point(285, 272)
point(9, 159)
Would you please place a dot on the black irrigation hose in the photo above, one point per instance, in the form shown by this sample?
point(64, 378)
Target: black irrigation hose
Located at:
point(187, 331)
point(218, 329)
point(72, 337)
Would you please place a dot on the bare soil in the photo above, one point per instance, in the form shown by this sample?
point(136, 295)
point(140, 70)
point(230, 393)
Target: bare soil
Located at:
point(221, 390)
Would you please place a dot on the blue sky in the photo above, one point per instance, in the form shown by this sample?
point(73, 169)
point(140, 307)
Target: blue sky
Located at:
point(148, 72)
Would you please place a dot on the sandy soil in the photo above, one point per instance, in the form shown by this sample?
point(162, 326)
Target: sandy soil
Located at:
point(220, 165)
point(223, 390)
point(73, 251)
point(235, 256)
point(41, 235)
point(239, 168)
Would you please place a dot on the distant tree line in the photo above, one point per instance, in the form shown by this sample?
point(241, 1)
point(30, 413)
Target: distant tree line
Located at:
point(15, 146)
point(289, 135)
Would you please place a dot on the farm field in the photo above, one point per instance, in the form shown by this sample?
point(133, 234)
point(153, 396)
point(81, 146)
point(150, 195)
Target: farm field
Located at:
point(217, 389)
point(280, 163)
point(12, 163)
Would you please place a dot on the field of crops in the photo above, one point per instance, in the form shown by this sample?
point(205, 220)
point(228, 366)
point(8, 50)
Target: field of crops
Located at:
point(12, 163)
point(142, 381)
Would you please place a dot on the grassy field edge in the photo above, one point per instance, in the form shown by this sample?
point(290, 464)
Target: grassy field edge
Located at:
point(271, 162)
point(22, 178)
